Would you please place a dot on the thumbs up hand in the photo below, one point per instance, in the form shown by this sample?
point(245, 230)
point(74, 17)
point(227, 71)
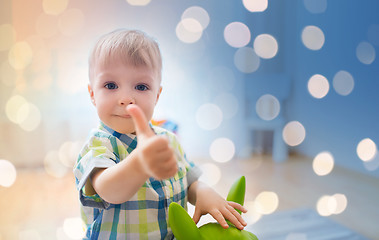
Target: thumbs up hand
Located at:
point(154, 152)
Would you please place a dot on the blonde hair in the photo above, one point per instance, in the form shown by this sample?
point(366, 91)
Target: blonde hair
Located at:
point(130, 46)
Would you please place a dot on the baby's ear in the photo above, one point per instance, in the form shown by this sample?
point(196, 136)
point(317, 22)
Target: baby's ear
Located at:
point(91, 94)
point(182, 225)
point(237, 191)
point(158, 95)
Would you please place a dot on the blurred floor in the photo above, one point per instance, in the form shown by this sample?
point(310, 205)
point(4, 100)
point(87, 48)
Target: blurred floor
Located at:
point(38, 206)
point(301, 224)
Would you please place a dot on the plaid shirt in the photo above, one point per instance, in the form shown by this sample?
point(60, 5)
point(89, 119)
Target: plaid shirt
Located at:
point(145, 215)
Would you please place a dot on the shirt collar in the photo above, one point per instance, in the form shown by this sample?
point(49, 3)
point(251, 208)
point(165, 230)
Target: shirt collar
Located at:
point(128, 139)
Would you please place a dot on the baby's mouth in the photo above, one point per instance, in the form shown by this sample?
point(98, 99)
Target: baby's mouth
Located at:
point(123, 115)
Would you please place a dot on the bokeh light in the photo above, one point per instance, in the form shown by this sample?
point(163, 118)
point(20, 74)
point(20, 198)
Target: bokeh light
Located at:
point(13, 106)
point(343, 83)
point(373, 164)
point(267, 107)
point(328, 205)
point(246, 60)
point(323, 206)
point(228, 104)
point(68, 153)
point(237, 34)
point(29, 117)
point(365, 53)
point(71, 22)
point(192, 25)
point(265, 46)
point(211, 173)
point(313, 37)
point(318, 86)
point(138, 2)
point(189, 30)
point(293, 133)
point(341, 203)
point(198, 13)
point(255, 5)
point(54, 7)
point(20, 55)
point(7, 36)
point(366, 149)
point(323, 163)
point(266, 202)
point(21, 112)
point(74, 228)
point(252, 216)
point(8, 173)
point(53, 166)
point(316, 6)
point(209, 116)
point(222, 150)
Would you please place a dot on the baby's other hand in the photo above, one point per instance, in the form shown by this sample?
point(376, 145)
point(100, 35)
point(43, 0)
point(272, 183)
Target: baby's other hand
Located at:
point(208, 201)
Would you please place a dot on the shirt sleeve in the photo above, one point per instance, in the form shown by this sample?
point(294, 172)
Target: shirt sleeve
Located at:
point(97, 153)
point(193, 171)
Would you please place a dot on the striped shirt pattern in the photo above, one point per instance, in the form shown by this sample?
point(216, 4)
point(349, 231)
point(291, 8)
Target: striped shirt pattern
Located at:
point(145, 215)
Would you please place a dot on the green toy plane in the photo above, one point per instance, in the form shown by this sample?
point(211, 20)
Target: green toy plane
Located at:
point(184, 228)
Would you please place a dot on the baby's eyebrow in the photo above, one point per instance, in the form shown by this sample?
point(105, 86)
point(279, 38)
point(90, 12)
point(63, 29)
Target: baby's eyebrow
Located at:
point(105, 74)
point(103, 77)
point(145, 79)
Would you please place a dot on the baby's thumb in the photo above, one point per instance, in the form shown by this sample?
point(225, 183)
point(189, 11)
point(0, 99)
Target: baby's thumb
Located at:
point(196, 216)
point(141, 124)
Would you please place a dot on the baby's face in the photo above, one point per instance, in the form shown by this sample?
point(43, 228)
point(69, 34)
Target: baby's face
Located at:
point(116, 86)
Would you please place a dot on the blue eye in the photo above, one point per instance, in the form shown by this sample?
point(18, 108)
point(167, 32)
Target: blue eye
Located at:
point(141, 87)
point(111, 86)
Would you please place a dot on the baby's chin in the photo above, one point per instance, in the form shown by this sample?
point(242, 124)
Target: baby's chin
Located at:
point(123, 127)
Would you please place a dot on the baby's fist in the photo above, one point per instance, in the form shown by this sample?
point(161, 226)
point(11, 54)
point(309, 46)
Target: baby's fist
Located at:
point(156, 155)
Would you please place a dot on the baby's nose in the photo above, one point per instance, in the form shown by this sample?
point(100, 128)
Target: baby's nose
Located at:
point(126, 100)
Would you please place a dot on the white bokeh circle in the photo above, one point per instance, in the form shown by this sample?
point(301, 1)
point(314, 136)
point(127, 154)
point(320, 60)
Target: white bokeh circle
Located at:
point(318, 86)
point(365, 53)
point(8, 173)
point(343, 83)
point(267, 107)
point(294, 133)
point(237, 34)
point(189, 30)
point(255, 5)
point(313, 37)
point(209, 116)
point(198, 13)
point(222, 150)
point(265, 46)
point(246, 60)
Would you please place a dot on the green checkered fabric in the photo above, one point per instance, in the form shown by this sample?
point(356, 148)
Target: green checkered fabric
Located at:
point(145, 215)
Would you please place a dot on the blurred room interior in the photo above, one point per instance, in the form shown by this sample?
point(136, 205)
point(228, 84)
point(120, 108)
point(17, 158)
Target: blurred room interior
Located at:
point(283, 92)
